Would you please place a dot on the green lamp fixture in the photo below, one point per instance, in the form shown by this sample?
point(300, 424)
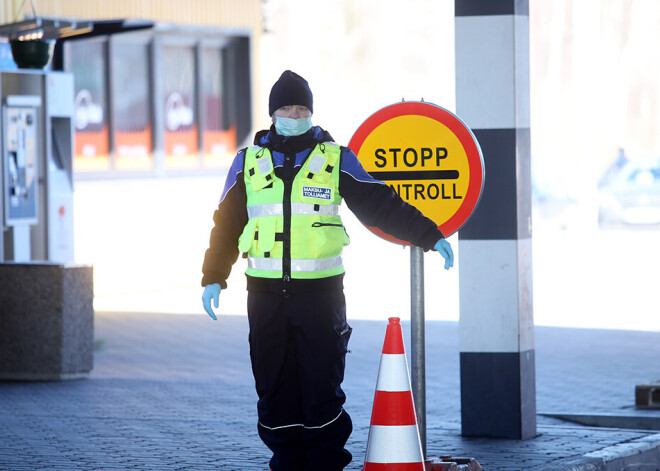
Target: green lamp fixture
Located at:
point(32, 40)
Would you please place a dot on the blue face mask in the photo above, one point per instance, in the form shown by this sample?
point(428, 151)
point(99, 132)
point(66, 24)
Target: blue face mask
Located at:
point(292, 127)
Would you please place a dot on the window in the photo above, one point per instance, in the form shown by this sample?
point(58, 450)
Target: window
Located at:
point(219, 139)
point(180, 136)
point(87, 61)
point(131, 106)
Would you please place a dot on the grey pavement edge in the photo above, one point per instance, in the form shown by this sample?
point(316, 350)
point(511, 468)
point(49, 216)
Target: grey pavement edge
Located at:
point(175, 392)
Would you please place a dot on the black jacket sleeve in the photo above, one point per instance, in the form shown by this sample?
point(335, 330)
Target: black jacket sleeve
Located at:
point(376, 205)
point(230, 218)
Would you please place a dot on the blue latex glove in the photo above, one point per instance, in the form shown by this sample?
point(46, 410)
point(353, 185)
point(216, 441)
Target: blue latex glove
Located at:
point(211, 292)
point(445, 250)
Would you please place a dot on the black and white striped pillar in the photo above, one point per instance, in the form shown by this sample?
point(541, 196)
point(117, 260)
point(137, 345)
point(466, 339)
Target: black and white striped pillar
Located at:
point(498, 391)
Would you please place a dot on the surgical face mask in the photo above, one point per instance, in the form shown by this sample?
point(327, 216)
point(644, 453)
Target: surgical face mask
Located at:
point(292, 127)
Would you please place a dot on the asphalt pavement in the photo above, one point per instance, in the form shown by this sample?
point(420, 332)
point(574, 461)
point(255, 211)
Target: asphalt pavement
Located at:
point(175, 392)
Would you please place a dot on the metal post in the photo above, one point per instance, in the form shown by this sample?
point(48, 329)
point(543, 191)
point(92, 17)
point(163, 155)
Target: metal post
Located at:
point(417, 339)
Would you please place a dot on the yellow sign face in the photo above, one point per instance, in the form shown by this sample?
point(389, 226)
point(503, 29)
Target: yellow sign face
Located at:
point(426, 155)
point(422, 160)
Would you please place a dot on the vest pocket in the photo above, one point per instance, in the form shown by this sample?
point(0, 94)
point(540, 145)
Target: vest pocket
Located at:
point(332, 236)
point(266, 227)
point(259, 182)
point(346, 239)
point(258, 236)
point(247, 237)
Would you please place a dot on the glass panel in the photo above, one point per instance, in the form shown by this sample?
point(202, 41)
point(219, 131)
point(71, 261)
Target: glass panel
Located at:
point(219, 143)
point(132, 132)
point(181, 143)
point(87, 61)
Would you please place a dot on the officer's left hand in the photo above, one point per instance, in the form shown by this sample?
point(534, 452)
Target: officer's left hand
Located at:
point(445, 250)
point(211, 293)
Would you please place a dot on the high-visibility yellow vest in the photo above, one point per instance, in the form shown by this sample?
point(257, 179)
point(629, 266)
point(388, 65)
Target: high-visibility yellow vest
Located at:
point(293, 231)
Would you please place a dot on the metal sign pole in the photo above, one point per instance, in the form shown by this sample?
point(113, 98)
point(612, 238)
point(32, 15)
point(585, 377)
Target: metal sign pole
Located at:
point(418, 340)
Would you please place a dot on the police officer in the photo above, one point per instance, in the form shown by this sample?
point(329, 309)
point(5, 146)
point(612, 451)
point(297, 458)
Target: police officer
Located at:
point(280, 208)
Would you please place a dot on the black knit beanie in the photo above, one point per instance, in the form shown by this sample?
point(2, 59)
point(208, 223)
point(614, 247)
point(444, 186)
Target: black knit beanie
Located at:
point(290, 89)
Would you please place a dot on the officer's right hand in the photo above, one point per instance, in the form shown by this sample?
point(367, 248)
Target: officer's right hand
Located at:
point(447, 253)
point(211, 292)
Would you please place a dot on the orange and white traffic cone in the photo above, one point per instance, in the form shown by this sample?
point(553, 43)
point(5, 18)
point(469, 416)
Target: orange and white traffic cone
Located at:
point(393, 443)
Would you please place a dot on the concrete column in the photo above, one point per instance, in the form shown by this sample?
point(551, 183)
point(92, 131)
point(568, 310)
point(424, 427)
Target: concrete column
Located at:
point(498, 391)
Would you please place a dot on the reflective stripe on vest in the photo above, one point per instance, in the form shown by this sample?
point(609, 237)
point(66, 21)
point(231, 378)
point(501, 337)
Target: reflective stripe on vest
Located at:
point(297, 209)
point(297, 265)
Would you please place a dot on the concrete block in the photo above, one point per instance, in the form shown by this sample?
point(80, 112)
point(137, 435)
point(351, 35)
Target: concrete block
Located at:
point(46, 321)
point(647, 396)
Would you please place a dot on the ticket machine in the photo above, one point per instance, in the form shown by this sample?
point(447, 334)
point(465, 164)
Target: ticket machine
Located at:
point(36, 201)
point(19, 158)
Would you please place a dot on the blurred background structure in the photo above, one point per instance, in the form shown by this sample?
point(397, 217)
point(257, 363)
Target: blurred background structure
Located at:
point(161, 111)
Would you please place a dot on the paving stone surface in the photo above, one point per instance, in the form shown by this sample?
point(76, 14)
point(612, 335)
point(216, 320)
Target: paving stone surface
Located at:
point(175, 392)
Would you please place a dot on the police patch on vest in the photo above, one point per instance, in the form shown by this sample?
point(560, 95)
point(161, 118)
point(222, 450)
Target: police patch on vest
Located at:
point(316, 192)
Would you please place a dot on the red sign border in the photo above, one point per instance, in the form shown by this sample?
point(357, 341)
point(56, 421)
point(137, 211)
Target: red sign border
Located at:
point(465, 137)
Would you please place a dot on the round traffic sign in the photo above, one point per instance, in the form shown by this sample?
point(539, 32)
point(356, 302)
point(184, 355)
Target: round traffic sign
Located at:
point(428, 156)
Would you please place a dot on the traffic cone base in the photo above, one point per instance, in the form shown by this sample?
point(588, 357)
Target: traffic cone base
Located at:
point(394, 445)
point(393, 467)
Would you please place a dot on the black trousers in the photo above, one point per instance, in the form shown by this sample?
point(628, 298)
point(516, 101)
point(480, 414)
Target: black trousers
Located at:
point(298, 344)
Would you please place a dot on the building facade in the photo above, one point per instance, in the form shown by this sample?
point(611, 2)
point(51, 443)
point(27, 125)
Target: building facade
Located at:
point(170, 99)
